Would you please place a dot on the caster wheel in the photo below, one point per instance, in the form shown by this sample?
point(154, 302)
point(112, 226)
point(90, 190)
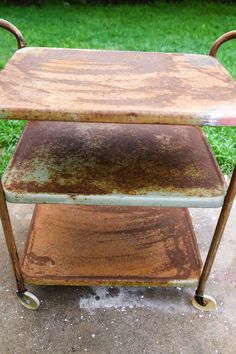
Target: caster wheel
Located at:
point(209, 304)
point(28, 300)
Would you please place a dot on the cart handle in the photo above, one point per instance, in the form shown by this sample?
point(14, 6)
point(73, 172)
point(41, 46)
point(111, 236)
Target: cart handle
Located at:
point(14, 30)
point(222, 39)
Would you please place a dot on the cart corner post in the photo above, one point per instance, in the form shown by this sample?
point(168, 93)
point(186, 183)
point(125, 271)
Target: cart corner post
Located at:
point(14, 30)
point(26, 298)
point(222, 39)
point(11, 245)
point(200, 301)
point(4, 214)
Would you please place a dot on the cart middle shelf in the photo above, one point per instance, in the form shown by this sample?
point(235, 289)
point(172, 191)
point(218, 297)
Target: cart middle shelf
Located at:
point(114, 164)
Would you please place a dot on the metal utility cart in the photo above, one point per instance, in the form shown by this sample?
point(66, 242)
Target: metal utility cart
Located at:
point(112, 156)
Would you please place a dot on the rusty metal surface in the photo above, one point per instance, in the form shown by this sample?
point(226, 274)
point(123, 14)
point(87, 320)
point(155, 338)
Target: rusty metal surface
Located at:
point(91, 163)
point(116, 86)
point(74, 245)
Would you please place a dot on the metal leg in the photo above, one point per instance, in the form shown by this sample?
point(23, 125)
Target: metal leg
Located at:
point(26, 298)
point(200, 301)
point(11, 245)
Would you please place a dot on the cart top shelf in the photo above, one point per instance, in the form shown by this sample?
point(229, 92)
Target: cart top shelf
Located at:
point(116, 86)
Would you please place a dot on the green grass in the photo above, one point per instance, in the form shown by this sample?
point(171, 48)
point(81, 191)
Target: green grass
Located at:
point(186, 26)
point(10, 132)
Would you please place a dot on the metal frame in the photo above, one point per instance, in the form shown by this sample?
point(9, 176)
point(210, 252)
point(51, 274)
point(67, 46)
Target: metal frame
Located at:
point(14, 30)
point(222, 39)
point(225, 211)
point(4, 214)
point(227, 205)
point(29, 300)
point(10, 241)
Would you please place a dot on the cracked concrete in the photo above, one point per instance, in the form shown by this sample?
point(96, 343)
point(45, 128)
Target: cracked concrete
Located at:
point(122, 320)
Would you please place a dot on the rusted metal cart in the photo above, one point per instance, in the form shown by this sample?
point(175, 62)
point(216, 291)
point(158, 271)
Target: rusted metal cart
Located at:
point(112, 156)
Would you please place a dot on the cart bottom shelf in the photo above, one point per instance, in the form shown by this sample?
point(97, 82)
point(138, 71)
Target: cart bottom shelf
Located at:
point(84, 245)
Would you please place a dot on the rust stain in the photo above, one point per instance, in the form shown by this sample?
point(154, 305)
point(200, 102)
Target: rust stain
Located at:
point(108, 244)
point(41, 260)
point(86, 159)
point(115, 86)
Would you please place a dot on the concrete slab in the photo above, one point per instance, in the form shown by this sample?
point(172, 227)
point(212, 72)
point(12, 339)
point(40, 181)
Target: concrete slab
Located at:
point(122, 320)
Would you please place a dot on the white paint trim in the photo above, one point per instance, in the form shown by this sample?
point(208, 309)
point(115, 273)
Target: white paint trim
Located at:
point(149, 199)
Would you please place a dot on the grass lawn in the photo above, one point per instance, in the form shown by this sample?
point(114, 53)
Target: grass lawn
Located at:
point(186, 26)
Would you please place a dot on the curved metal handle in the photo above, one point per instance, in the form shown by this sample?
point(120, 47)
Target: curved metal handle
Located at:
point(14, 30)
point(222, 39)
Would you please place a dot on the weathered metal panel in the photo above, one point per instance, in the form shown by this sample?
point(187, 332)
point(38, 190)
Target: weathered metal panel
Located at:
point(111, 164)
point(73, 245)
point(116, 86)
